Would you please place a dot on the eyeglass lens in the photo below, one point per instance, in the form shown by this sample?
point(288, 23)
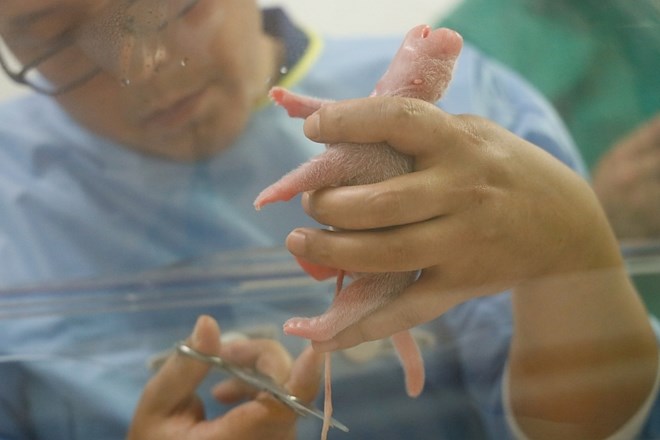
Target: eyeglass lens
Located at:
point(125, 39)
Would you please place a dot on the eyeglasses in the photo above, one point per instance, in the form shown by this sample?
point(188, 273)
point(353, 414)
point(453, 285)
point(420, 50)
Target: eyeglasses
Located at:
point(69, 62)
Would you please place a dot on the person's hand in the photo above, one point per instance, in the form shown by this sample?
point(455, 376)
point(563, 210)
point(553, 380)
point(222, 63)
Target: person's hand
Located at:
point(482, 211)
point(627, 182)
point(170, 409)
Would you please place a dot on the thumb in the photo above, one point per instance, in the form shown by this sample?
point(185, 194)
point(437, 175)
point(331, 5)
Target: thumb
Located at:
point(178, 379)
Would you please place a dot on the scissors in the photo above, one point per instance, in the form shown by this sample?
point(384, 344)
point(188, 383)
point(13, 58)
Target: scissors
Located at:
point(260, 382)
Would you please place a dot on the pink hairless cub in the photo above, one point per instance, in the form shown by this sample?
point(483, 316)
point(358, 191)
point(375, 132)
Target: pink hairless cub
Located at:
point(421, 69)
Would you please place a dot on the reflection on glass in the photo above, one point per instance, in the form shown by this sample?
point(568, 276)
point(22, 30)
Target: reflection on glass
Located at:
point(127, 213)
point(597, 61)
point(126, 30)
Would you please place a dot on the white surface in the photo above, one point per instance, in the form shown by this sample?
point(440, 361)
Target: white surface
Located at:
point(342, 17)
point(362, 16)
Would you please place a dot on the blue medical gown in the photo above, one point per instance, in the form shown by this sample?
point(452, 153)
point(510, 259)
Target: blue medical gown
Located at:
point(76, 206)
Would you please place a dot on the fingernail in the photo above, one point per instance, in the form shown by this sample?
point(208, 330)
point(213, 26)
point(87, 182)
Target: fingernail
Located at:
point(196, 337)
point(295, 242)
point(305, 201)
point(312, 126)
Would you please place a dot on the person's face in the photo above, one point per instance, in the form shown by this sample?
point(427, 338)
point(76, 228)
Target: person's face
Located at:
point(188, 97)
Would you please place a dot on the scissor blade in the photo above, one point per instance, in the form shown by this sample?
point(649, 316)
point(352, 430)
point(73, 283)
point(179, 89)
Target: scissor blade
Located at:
point(260, 382)
point(305, 410)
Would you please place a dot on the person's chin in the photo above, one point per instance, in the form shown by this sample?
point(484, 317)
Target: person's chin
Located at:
point(178, 112)
point(188, 145)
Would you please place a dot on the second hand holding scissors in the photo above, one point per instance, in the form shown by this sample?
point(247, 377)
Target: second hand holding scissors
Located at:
point(258, 381)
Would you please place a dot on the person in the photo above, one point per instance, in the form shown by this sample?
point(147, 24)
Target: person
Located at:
point(148, 139)
point(599, 69)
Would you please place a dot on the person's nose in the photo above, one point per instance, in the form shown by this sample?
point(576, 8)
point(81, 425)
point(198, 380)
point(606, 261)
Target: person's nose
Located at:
point(139, 59)
point(136, 44)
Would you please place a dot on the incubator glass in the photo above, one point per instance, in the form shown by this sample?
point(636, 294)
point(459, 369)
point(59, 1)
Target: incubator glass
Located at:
point(71, 342)
point(134, 139)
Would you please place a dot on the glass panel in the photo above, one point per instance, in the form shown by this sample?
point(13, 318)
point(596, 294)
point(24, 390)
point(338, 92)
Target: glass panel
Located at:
point(104, 336)
point(508, 227)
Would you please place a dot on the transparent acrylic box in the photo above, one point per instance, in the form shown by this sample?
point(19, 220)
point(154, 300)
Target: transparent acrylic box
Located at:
point(75, 355)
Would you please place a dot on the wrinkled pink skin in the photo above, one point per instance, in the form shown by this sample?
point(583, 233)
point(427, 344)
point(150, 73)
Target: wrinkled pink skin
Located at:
point(421, 69)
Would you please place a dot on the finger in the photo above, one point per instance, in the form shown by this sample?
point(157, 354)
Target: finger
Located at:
point(304, 383)
point(262, 418)
point(404, 123)
point(650, 167)
point(177, 380)
point(406, 248)
point(265, 355)
point(233, 391)
point(306, 375)
point(266, 417)
point(409, 198)
point(646, 137)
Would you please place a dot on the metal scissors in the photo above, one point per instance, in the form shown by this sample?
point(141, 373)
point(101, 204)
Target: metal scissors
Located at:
point(260, 382)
